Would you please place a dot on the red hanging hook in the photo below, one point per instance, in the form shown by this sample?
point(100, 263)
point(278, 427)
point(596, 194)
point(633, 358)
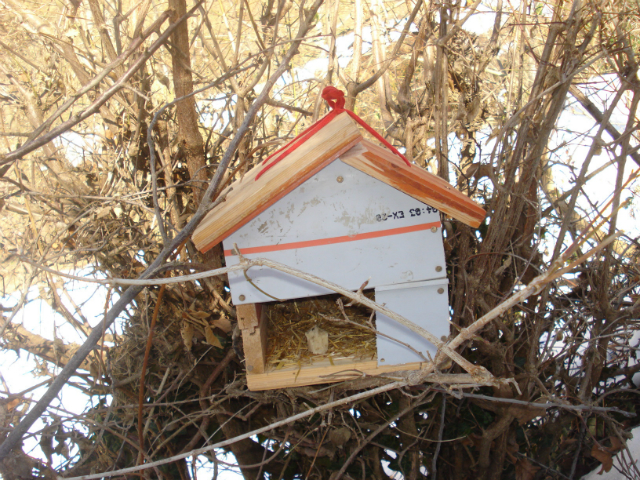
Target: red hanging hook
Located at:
point(335, 99)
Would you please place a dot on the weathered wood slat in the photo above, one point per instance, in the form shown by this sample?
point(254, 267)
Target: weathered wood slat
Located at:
point(253, 324)
point(249, 197)
point(416, 182)
point(321, 372)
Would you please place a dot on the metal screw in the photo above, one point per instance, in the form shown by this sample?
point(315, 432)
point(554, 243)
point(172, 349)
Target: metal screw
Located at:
point(434, 229)
point(382, 359)
point(340, 179)
point(438, 268)
point(441, 290)
point(241, 298)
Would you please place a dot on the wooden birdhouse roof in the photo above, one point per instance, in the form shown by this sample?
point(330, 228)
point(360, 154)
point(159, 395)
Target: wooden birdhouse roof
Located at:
point(247, 197)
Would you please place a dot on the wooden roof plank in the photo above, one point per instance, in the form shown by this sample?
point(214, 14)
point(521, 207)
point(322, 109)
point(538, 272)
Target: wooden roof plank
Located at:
point(414, 181)
point(247, 197)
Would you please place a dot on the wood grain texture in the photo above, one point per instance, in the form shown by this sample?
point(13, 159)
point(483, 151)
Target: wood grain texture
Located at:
point(253, 325)
point(414, 181)
point(248, 198)
point(249, 315)
point(321, 372)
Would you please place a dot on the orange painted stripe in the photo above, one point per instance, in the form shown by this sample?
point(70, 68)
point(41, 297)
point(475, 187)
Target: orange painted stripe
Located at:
point(331, 241)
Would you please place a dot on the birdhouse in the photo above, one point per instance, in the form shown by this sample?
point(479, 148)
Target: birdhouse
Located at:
point(345, 210)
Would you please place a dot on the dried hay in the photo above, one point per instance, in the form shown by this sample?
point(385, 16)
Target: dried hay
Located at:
point(288, 322)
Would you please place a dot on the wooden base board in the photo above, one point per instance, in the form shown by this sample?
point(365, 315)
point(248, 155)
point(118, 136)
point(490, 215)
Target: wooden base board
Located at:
point(322, 371)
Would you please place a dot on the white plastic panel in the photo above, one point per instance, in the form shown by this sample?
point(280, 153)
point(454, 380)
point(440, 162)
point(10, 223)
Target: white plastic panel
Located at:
point(346, 227)
point(421, 303)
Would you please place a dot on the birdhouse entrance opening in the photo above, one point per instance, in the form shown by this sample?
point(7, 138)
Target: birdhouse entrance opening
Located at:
point(350, 329)
point(281, 339)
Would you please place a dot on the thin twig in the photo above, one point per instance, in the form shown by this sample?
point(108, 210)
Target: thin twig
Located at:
point(145, 362)
point(326, 429)
point(259, 431)
point(576, 455)
point(545, 405)
point(434, 463)
point(377, 432)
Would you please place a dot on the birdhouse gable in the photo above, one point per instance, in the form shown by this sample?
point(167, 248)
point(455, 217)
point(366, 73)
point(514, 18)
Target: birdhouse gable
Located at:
point(248, 197)
point(261, 187)
point(341, 225)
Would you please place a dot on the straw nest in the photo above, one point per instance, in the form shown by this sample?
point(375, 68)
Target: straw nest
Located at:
point(288, 322)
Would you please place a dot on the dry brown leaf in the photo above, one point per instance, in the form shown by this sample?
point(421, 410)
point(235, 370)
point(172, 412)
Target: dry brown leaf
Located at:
point(511, 450)
point(616, 445)
point(476, 440)
point(199, 315)
point(524, 470)
point(13, 404)
point(211, 338)
point(603, 457)
point(526, 413)
point(466, 441)
point(224, 324)
point(103, 212)
point(186, 330)
point(339, 436)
